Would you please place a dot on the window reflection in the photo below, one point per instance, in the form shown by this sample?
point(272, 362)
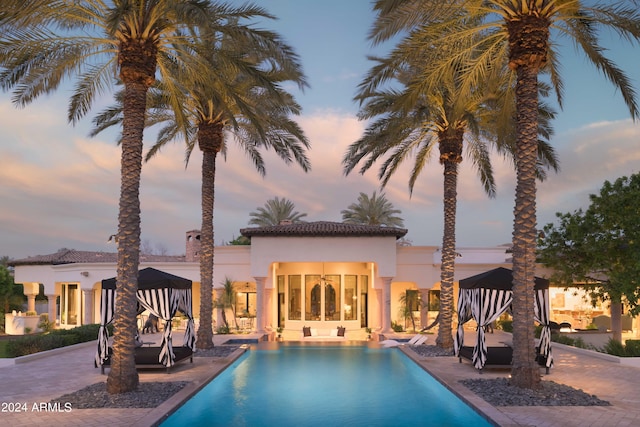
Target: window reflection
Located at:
point(350, 297)
point(332, 298)
point(295, 297)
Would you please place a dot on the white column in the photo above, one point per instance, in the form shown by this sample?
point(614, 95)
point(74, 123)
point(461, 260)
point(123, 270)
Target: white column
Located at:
point(268, 308)
point(31, 289)
point(87, 306)
point(51, 304)
point(260, 301)
point(386, 304)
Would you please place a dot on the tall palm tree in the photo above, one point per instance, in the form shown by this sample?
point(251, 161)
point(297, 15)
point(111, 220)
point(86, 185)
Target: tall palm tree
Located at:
point(413, 123)
point(376, 210)
point(520, 32)
point(242, 98)
point(44, 42)
point(274, 212)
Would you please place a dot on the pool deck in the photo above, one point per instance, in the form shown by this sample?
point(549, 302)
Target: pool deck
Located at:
point(35, 380)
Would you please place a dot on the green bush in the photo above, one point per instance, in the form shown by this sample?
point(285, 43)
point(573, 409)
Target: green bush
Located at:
point(632, 348)
point(396, 327)
point(223, 330)
point(614, 347)
point(574, 342)
point(506, 325)
point(538, 331)
point(44, 324)
point(54, 339)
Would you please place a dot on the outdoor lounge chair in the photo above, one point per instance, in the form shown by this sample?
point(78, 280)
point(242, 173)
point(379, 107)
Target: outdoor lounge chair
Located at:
point(418, 339)
point(148, 357)
point(496, 356)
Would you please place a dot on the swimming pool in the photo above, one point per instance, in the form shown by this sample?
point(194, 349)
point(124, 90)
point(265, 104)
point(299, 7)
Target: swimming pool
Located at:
point(295, 385)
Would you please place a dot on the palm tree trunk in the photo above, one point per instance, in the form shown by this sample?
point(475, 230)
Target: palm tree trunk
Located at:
point(205, 332)
point(525, 372)
point(447, 266)
point(210, 142)
point(123, 375)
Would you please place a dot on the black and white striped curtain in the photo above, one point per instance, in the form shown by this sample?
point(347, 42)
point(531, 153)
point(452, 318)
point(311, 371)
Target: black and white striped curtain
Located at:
point(185, 305)
point(486, 306)
point(107, 310)
point(464, 315)
point(542, 317)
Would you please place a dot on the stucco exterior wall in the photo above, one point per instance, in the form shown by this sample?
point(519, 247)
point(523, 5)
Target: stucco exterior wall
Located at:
point(267, 250)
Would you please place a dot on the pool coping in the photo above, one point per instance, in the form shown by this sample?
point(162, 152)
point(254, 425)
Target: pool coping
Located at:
point(163, 411)
point(478, 404)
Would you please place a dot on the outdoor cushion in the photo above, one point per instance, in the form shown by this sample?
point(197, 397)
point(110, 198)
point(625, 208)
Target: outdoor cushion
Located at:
point(150, 356)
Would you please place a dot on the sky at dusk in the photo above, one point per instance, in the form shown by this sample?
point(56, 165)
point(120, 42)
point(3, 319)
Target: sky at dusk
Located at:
point(60, 188)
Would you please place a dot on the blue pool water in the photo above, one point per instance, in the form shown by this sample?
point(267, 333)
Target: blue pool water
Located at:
point(292, 385)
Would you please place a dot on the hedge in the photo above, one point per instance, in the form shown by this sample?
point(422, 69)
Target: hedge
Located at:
point(54, 339)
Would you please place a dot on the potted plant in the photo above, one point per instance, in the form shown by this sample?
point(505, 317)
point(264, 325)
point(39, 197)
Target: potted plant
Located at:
point(279, 331)
point(368, 330)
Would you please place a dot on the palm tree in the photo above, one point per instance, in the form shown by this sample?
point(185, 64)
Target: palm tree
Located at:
point(43, 42)
point(274, 212)
point(376, 210)
point(411, 123)
point(519, 31)
point(242, 98)
point(227, 301)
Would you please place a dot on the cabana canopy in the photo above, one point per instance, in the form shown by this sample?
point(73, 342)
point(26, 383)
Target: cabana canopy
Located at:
point(150, 278)
point(163, 294)
point(484, 297)
point(498, 278)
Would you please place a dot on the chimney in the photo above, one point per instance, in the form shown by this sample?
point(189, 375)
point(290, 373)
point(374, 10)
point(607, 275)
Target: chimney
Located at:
point(192, 253)
point(285, 222)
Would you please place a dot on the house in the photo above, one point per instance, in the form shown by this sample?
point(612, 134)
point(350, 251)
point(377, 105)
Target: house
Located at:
point(318, 274)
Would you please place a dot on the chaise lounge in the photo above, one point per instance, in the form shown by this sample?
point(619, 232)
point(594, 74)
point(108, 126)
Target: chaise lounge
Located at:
point(499, 356)
point(149, 357)
point(418, 339)
point(496, 356)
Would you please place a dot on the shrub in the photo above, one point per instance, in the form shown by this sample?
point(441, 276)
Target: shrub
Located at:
point(506, 325)
point(44, 324)
point(223, 330)
point(574, 342)
point(632, 348)
point(592, 327)
point(538, 331)
point(614, 347)
point(55, 339)
point(396, 327)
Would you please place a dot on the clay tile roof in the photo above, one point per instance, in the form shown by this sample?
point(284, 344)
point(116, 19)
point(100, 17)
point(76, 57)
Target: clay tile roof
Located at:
point(72, 256)
point(324, 229)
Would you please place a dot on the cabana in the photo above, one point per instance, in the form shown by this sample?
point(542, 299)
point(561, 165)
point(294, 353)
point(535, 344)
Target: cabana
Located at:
point(161, 293)
point(484, 297)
